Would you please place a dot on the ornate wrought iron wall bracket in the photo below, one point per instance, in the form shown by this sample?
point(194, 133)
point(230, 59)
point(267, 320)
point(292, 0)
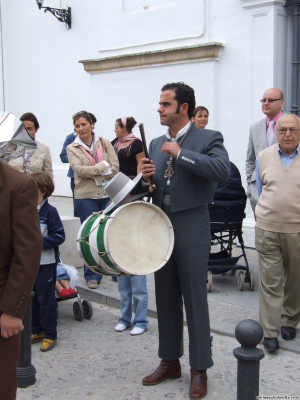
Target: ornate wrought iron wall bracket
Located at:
point(59, 13)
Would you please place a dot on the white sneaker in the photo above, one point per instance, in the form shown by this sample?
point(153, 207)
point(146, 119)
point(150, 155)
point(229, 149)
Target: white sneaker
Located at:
point(120, 328)
point(137, 331)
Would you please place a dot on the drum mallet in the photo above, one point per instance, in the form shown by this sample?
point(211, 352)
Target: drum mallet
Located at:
point(151, 179)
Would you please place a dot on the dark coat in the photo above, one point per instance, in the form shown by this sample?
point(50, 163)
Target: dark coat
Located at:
point(202, 163)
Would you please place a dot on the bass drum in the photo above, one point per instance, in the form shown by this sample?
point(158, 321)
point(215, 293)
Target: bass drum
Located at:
point(135, 239)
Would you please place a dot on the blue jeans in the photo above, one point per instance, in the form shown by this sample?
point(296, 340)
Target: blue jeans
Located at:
point(133, 287)
point(85, 208)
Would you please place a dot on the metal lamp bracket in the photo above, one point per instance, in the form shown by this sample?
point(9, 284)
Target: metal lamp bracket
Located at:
point(63, 15)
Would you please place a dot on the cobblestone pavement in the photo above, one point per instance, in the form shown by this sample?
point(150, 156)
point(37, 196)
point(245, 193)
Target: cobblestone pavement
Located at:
point(92, 361)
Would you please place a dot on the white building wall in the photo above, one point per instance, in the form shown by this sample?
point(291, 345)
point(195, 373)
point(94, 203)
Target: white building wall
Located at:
point(42, 73)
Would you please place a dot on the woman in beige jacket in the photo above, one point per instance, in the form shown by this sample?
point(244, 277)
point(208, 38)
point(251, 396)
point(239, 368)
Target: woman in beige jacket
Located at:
point(94, 163)
point(40, 159)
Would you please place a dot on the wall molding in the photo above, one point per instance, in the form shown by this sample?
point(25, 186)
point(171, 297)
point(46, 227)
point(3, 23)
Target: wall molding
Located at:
point(206, 51)
point(262, 3)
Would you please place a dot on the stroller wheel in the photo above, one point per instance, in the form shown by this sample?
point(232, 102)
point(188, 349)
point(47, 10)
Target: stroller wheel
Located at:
point(209, 281)
point(252, 281)
point(241, 280)
point(87, 309)
point(78, 310)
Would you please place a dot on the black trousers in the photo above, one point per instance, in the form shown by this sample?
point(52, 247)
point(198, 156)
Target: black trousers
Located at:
point(183, 278)
point(44, 304)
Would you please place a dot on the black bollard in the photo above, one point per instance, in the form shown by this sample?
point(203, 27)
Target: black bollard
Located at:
point(248, 333)
point(26, 371)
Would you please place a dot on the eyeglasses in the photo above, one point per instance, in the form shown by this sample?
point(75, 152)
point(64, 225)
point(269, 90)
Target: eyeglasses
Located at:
point(268, 100)
point(292, 131)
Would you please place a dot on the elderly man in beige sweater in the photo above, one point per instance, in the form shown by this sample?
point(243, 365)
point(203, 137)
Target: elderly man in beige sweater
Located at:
point(277, 236)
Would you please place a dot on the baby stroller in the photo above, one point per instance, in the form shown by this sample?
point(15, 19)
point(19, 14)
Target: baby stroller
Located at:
point(80, 308)
point(227, 212)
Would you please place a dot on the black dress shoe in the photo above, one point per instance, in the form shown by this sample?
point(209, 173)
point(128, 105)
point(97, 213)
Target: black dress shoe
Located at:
point(288, 333)
point(271, 343)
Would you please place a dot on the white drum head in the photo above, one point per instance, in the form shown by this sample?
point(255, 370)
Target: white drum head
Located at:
point(139, 238)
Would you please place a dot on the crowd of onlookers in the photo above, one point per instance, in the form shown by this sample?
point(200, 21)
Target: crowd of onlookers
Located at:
point(93, 162)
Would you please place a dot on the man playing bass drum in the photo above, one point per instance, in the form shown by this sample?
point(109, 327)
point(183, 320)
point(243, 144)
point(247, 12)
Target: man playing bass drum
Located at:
point(186, 166)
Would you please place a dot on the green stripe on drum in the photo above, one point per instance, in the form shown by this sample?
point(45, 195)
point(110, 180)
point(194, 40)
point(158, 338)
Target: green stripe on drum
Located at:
point(101, 247)
point(85, 248)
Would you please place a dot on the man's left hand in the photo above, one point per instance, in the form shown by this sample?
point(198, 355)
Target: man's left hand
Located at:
point(171, 148)
point(10, 325)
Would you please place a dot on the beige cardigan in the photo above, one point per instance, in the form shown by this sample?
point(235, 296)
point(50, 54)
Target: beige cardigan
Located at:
point(278, 208)
point(39, 161)
point(86, 174)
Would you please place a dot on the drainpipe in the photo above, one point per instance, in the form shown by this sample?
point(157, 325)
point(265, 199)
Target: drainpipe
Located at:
point(2, 61)
point(295, 54)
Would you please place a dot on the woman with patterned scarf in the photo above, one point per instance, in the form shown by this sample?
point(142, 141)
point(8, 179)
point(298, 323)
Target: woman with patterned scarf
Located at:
point(128, 147)
point(129, 150)
point(94, 163)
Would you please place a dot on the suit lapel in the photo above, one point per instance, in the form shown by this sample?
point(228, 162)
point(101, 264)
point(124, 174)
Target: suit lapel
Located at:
point(262, 131)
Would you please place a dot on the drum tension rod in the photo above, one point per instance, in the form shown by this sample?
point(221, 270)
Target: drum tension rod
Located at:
point(84, 239)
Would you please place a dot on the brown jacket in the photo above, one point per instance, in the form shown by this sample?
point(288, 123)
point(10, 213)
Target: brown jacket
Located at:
point(86, 175)
point(20, 240)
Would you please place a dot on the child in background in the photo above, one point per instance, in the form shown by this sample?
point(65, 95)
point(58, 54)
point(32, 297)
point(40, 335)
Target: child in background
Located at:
point(44, 304)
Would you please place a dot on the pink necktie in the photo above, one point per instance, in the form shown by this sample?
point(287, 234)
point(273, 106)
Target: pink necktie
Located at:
point(270, 133)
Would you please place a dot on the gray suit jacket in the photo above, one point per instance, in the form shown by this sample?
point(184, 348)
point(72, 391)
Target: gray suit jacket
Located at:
point(257, 143)
point(202, 163)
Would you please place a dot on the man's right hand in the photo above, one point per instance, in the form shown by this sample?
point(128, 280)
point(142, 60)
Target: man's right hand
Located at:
point(10, 325)
point(147, 169)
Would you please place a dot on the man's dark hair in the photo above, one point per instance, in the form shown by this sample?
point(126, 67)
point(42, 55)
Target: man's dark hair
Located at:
point(183, 94)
